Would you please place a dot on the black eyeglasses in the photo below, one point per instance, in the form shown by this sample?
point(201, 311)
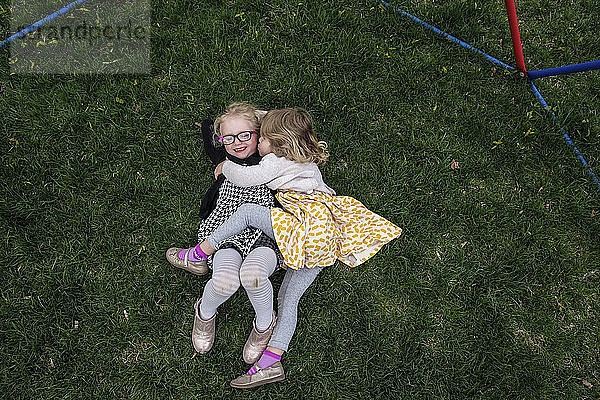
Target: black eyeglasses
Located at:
point(242, 137)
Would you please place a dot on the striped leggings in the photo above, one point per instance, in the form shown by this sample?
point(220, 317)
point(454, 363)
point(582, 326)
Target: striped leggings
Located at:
point(230, 272)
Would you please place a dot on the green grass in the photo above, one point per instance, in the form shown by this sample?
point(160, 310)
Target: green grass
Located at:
point(491, 293)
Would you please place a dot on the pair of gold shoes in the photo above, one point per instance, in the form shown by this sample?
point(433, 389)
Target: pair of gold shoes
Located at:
point(203, 336)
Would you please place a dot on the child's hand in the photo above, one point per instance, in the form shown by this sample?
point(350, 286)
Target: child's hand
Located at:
point(260, 113)
point(219, 169)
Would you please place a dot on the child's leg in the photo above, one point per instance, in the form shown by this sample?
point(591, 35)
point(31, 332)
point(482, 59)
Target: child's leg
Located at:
point(247, 215)
point(283, 287)
point(254, 276)
point(294, 285)
point(224, 283)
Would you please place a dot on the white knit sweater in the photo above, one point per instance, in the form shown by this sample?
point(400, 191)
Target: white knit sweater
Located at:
point(278, 173)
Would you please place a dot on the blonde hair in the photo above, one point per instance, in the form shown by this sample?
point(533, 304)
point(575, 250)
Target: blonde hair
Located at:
point(291, 135)
point(243, 110)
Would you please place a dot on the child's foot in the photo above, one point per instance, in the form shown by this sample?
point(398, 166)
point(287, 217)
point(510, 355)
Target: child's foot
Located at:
point(257, 342)
point(203, 332)
point(192, 259)
point(267, 359)
point(261, 376)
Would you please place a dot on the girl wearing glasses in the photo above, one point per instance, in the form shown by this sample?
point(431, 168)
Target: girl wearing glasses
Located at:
point(246, 259)
point(312, 230)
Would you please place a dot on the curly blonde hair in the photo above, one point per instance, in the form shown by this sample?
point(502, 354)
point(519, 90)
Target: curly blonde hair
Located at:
point(243, 110)
point(291, 135)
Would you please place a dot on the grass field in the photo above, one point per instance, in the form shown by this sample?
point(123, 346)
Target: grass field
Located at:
point(492, 292)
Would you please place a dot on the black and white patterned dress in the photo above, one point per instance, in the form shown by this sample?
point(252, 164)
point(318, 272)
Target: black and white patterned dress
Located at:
point(230, 198)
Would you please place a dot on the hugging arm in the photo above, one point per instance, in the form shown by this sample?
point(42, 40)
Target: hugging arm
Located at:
point(246, 176)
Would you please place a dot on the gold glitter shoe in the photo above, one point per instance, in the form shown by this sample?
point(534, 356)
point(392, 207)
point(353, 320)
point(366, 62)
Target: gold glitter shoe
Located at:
point(195, 267)
point(203, 333)
point(271, 374)
point(257, 341)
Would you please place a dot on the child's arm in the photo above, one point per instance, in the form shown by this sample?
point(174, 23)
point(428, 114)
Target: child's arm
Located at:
point(253, 175)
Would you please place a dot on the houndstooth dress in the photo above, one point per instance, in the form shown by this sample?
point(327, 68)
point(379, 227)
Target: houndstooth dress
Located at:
point(230, 198)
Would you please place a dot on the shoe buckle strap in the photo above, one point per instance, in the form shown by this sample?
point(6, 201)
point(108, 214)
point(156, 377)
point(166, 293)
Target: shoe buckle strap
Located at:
point(186, 260)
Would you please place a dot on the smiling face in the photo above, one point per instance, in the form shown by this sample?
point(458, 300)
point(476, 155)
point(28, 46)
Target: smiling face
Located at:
point(233, 126)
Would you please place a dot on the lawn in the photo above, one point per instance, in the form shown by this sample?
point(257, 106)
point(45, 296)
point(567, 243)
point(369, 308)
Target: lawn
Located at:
point(492, 292)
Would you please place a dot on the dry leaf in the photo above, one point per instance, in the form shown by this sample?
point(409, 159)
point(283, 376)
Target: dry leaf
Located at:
point(126, 314)
point(52, 363)
point(593, 214)
point(454, 164)
point(587, 384)
point(463, 244)
point(198, 124)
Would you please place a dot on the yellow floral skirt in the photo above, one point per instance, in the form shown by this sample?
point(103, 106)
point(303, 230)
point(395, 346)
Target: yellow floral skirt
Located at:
point(317, 229)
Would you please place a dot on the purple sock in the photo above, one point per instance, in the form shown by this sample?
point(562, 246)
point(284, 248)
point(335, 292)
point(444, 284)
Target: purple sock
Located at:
point(196, 254)
point(266, 360)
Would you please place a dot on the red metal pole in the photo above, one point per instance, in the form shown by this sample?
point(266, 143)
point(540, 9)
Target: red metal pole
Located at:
point(514, 33)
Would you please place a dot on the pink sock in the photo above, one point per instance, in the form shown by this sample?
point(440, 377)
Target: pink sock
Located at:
point(196, 254)
point(266, 360)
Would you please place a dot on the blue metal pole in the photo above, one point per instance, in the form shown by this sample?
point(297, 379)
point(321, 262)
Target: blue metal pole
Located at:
point(565, 134)
point(569, 69)
point(452, 38)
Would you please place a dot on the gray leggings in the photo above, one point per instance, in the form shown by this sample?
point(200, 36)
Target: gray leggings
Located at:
point(294, 283)
point(247, 215)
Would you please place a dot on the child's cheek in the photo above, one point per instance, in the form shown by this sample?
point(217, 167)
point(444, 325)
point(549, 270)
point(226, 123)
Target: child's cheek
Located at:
point(253, 145)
